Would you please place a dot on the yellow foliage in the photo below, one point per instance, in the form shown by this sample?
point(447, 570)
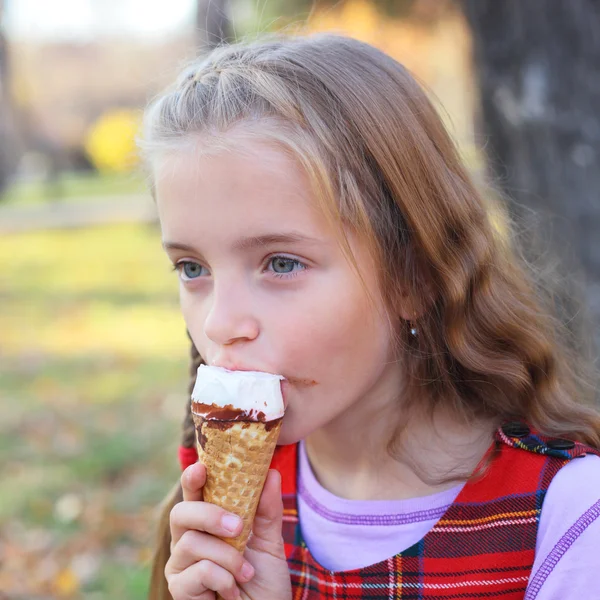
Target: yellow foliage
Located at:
point(110, 142)
point(361, 19)
point(66, 583)
point(439, 55)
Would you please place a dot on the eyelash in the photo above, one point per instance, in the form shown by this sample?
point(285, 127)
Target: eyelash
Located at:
point(180, 265)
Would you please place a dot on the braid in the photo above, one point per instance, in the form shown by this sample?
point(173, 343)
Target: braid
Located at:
point(158, 584)
point(189, 432)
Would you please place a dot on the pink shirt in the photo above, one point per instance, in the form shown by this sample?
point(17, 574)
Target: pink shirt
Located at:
point(349, 534)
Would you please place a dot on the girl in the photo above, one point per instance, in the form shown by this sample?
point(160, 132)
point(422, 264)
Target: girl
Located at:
point(323, 228)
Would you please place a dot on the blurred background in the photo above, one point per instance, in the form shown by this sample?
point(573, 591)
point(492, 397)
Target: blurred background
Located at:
point(93, 351)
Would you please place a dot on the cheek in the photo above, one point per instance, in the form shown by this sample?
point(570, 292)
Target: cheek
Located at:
point(193, 313)
point(333, 327)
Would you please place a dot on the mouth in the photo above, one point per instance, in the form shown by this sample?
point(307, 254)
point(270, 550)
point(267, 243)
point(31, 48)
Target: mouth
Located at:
point(234, 367)
point(285, 383)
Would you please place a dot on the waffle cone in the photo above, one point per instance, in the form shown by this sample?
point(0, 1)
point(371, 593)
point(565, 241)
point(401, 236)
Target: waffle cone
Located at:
point(237, 455)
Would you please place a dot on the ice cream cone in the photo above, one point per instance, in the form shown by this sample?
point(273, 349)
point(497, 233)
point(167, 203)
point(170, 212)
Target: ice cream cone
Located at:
point(237, 455)
point(238, 415)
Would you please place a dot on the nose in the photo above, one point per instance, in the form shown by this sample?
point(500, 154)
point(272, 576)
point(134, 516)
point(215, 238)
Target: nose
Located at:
point(230, 317)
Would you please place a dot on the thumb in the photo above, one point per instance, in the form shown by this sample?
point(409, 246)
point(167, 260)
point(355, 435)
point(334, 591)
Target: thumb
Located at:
point(267, 528)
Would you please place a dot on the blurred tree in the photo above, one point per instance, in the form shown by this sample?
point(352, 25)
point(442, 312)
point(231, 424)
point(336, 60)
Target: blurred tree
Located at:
point(424, 10)
point(537, 65)
point(213, 23)
point(8, 154)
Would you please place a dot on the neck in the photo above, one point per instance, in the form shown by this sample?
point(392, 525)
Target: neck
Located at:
point(350, 456)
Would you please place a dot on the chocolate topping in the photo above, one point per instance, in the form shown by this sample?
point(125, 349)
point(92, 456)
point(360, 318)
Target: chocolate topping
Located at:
point(223, 425)
point(201, 437)
point(212, 412)
point(271, 424)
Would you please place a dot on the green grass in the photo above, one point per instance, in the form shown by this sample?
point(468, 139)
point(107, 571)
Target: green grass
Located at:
point(116, 580)
point(93, 378)
point(84, 185)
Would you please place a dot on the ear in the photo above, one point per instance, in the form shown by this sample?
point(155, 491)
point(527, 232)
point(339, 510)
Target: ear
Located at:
point(410, 308)
point(414, 299)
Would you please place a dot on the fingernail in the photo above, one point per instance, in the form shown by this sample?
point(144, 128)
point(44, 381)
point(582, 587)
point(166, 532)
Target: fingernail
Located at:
point(247, 571)
point(231, 523)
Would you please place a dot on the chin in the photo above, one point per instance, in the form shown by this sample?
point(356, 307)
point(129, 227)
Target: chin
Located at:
point(289, 434)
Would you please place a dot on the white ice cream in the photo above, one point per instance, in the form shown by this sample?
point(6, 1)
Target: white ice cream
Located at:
point(249, 391)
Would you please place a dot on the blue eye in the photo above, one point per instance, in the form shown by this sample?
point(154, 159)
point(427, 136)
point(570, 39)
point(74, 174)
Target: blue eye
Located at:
point(281, 266)
point(190, 270)
point(278, 266)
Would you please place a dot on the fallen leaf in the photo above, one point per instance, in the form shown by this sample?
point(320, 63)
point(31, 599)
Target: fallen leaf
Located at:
point(66, 583)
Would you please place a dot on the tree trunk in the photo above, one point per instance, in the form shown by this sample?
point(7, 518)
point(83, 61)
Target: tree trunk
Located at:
point(5, 145)
point(11, 140)
point(213, 23)
point(537, 65)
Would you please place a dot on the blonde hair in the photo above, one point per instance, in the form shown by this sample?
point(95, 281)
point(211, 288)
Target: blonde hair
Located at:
point(381, 162)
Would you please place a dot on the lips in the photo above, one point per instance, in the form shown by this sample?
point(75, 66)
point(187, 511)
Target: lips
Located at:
point(287, 381)
point(235, 367)
point(230, 366)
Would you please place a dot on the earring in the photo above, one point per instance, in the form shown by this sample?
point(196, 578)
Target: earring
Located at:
point(413, 328)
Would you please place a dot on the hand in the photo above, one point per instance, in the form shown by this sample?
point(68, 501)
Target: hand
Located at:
point(202, 564)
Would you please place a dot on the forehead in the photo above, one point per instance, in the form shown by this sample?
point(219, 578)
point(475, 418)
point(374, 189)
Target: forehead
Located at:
point(235, 183)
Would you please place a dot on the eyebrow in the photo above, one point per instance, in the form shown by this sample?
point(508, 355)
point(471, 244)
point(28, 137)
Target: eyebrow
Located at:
point(250, 243)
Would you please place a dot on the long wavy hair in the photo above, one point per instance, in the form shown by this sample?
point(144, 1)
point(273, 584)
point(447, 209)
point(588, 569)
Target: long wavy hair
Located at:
point(382, 163)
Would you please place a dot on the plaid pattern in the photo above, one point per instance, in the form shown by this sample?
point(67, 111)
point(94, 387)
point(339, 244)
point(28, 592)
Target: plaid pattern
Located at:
point(482, 547)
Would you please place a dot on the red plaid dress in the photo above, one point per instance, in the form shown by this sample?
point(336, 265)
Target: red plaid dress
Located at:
point(482, 547)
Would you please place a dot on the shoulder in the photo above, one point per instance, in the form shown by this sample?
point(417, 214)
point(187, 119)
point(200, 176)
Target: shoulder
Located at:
point(574, 487)
point(569, 533)
point(571, 495)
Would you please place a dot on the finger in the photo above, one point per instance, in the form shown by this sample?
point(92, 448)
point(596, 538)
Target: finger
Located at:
point(201, 577)
point(268, 522)
point(194, 547)
point(202, 516)
point(192, 481)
